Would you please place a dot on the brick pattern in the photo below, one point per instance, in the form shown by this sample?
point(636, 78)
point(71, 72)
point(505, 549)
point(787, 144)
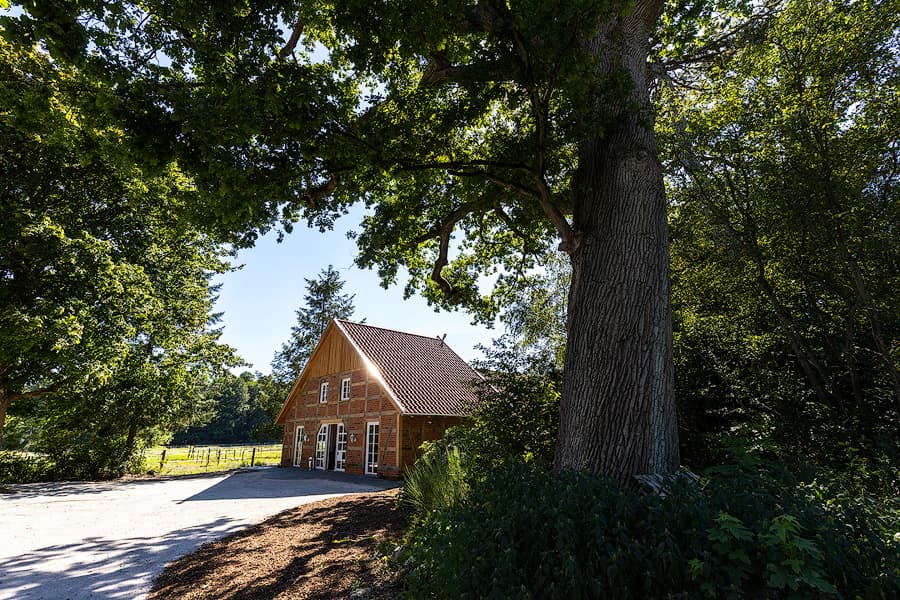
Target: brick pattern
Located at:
point(367, 402)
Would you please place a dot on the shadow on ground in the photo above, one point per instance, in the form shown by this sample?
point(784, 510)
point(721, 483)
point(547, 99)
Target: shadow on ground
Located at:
point(315, 551)
point(241, 484)
point(67, 488)
point(100, 562)
point(234, 486)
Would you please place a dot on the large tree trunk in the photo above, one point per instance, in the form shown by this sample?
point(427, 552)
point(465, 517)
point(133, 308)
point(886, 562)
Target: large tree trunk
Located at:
point(617, 415)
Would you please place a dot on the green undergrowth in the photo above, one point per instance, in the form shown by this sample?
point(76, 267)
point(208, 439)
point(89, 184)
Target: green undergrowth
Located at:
point(23, 467)
point(745, 531)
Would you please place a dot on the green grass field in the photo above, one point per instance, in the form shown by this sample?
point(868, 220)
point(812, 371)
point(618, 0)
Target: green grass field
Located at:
point(188, 460)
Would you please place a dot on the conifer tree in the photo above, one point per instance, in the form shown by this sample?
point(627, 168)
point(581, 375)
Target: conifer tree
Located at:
point(322, 303)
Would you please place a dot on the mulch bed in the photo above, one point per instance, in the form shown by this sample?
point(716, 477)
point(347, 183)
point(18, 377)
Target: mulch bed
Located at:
point(323, 550)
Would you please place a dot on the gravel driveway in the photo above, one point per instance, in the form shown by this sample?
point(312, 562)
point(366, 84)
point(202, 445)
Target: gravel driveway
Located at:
point(110, 539)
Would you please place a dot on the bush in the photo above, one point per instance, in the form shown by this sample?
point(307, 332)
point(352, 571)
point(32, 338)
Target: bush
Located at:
point(525, 533)
point(88, 456)
point(516, 419)
point(16, 467)
point(436, 482)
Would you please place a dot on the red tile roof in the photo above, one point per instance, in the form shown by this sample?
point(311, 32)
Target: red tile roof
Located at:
point(423, 374)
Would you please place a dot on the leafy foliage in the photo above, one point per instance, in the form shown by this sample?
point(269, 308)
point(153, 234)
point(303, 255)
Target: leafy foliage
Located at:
point(517, 415)
point(437, 481)
point(234, 409)
point(783, 163)
point(535, 313)
point(21, 468)
point(515, 419)
point(527, 533)
point(105, 292)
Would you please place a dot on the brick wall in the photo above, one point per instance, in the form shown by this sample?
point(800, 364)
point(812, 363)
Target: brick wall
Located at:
point(367, 402)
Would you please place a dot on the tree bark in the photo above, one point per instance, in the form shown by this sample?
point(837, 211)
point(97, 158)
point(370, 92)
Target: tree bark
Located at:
point(132, 435)
point(617, 415)
point(4, 406)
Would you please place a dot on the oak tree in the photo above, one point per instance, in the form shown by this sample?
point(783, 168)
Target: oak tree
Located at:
point(105, 293)
point(478, 133)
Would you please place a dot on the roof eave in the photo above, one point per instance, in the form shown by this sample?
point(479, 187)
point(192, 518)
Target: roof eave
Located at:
point(279, 419)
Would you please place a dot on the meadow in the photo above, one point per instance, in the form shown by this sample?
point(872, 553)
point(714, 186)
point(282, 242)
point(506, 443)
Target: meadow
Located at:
point(187, 460)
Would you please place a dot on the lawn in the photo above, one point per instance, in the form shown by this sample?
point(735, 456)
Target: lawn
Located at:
point(186, 460)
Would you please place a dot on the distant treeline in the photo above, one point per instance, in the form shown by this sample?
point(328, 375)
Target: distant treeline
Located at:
point(235, 409)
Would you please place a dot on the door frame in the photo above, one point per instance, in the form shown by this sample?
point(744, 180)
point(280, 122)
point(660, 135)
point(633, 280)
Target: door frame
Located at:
point(340, 454)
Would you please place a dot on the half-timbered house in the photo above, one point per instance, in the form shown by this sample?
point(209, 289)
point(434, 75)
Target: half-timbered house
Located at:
point(369, 397)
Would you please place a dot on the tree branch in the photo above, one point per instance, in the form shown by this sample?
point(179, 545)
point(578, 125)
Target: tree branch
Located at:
point(442, 260)
point(292, 41)
point(721, 46)
point(46, 391)
point(518, 188)
point(443, 233)
point(314, 194)
point(440, 70)
point(460, 166)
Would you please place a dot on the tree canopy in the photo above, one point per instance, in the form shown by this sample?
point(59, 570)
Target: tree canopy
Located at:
point(479, 134)
point(105, 292)
point(783, 165)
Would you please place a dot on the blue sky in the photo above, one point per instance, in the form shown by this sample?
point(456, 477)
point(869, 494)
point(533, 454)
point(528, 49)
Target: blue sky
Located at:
point(259, 300)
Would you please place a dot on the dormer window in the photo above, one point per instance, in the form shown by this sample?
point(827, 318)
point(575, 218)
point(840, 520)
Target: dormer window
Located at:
point(345, 388)
point(323, 392)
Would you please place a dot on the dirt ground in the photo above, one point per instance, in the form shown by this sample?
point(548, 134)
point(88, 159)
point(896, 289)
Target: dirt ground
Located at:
point(325, 550)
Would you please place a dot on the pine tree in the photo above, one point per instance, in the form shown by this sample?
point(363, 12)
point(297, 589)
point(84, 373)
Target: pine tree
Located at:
point(323, 302)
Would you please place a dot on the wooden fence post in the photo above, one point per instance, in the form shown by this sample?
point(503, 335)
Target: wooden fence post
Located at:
point(253, 457)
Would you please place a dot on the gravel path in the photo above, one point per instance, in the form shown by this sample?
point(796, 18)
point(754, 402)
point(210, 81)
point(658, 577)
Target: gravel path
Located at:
point(110, 539)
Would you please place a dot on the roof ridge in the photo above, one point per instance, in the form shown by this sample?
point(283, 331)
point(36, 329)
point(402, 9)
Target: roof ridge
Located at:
point(427, 337)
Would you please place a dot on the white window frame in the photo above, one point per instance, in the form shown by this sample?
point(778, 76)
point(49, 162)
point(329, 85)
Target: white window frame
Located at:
point(345, 388)
point(323, 392)
point(371, 453)
point(298, 446)
point(340, 448)
point(322, 448)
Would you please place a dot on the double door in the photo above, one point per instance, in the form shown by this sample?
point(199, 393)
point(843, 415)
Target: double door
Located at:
point(331, 447)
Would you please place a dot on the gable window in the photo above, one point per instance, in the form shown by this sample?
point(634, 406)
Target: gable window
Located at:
point(323, 392)
point(345, 388)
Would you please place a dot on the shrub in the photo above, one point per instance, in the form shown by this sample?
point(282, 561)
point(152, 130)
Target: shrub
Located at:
point(16, 467)
point(525, 533)
point(436, 482)
point(88, 456)
point(516, 419)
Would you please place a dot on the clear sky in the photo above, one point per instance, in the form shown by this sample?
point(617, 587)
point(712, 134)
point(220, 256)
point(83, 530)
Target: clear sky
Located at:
point(259, 300)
